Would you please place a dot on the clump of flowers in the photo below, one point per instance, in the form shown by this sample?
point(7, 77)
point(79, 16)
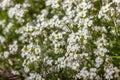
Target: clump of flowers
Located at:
point(59, 39)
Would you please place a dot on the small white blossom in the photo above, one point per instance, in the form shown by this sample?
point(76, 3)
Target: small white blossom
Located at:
point(6, 54)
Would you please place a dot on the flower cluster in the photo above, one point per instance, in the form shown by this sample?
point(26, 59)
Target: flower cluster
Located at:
point(59, 39)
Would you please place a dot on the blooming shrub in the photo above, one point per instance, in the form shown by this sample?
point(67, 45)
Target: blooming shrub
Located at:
point(60, 39)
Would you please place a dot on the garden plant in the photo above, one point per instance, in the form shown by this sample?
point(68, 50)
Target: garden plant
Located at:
point(59, 39)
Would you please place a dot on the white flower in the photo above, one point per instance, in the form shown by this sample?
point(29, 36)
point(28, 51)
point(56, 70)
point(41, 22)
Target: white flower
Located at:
point(18, 11)
point(98, 61)
point(117, 1)
point(13, 47)
point(11, 12)
point(8, 27)
point(14, 72)
point(88, 22)
point(6, 3)
point(49, 62)
point(53, 3)
point(75, 66)
point(34, 76)
point(83, 73)
point(6, 54)
point(2, 39)
point(92, 73)
point(2, 23)
point(73, 48)
point(44, 12)
point(26, 69)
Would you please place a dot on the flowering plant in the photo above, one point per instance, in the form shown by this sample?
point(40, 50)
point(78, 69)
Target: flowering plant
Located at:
point(60, 39)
